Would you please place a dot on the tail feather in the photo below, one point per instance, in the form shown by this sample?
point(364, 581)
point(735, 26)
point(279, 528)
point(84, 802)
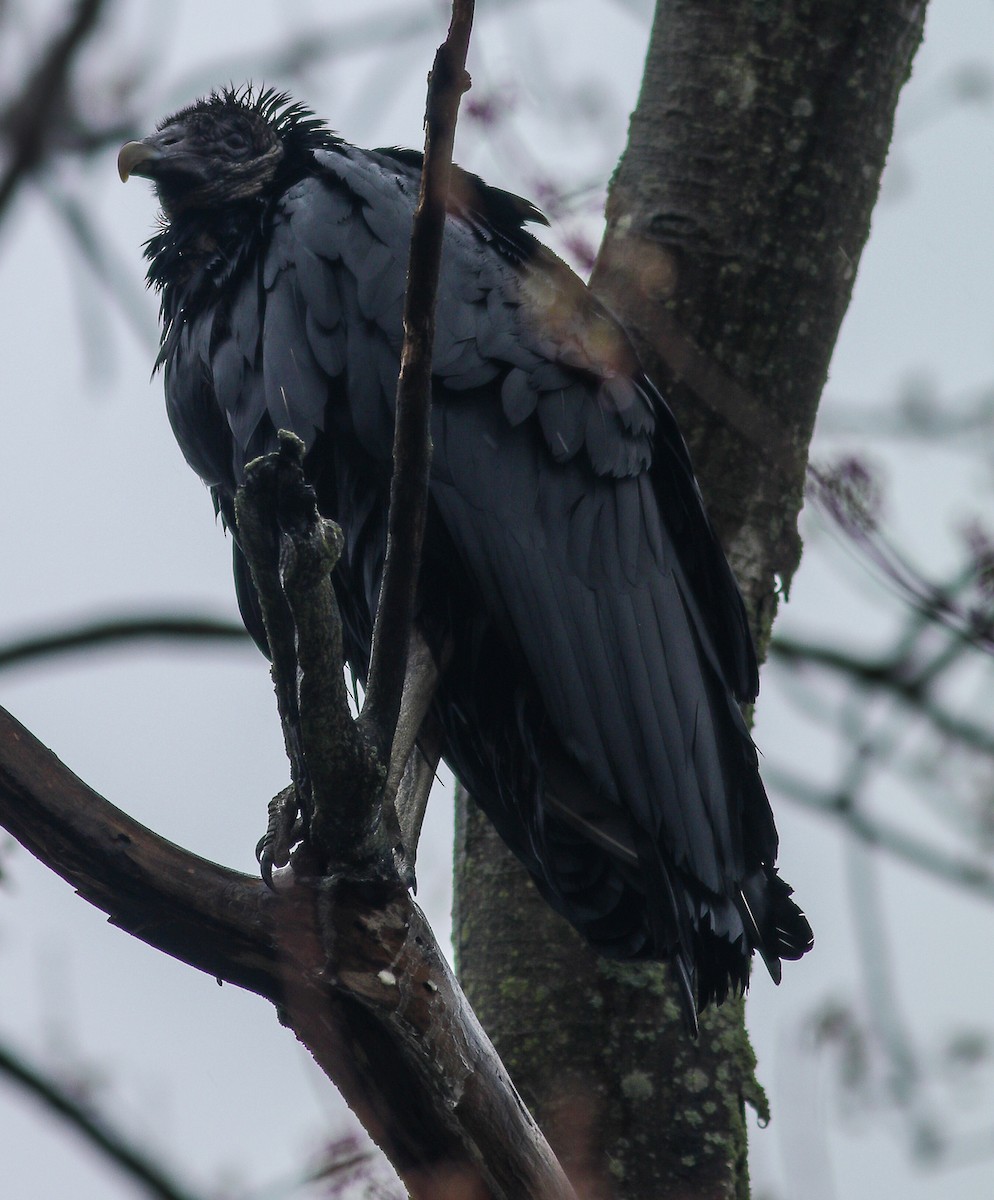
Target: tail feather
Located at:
point(708, 939)
point(778, 927)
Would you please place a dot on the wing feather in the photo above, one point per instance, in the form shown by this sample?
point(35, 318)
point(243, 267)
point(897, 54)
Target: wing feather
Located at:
point(629, 708)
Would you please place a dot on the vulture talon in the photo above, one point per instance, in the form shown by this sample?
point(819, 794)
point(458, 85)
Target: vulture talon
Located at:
point(283, 829)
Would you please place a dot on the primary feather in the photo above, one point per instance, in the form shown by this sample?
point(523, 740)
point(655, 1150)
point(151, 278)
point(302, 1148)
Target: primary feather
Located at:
point(600, 644)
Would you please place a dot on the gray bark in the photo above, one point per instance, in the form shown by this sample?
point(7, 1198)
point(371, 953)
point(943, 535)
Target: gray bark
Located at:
point(736, 221)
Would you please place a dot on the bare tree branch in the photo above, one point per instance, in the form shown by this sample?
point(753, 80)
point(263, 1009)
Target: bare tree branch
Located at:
point(354, 970)
point(412, 441)
point(111, 1142)
point(338, 775)
point(846, 494)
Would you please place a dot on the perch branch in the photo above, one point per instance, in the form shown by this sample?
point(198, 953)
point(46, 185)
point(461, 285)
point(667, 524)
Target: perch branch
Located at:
point(354, 970)
point(338, 776)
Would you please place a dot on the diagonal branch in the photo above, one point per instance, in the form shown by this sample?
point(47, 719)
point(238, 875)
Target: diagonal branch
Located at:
point(899, 677)
point(967, 873)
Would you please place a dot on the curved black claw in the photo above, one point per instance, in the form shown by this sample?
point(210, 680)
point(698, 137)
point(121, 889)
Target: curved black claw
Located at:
point(264, 857)
point(283, 830)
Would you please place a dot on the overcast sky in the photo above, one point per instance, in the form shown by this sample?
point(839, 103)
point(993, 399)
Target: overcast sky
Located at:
point(101, 515)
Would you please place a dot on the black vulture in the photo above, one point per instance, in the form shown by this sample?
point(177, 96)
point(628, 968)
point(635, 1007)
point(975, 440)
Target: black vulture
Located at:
point(597, 644)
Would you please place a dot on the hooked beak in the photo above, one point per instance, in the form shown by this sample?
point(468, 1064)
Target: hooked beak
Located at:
point(137, 158)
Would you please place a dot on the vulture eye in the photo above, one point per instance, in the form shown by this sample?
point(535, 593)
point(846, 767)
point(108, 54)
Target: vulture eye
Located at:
point(236, 144)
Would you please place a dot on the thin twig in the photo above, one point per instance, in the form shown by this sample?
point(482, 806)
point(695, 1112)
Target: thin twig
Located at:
point(412, 441)
point(111, 1142)
point(26, 120)
point(833, 492)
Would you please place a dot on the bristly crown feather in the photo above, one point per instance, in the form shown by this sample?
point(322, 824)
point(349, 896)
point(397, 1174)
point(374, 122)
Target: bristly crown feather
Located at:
point(292, 122)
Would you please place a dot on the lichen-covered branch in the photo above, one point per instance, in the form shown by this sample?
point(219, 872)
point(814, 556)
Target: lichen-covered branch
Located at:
point(337, 775)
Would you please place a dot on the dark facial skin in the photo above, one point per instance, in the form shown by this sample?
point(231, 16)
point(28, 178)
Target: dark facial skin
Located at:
point(196, 163)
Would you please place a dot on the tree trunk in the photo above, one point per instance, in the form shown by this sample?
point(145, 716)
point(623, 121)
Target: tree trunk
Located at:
point(736, 220)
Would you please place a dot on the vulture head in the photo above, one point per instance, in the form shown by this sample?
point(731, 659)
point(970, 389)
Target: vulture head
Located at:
point(226, 149)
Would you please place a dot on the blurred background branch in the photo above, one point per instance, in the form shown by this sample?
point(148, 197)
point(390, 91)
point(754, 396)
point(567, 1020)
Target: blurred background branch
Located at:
point(117, 631)
point(70, 1103)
